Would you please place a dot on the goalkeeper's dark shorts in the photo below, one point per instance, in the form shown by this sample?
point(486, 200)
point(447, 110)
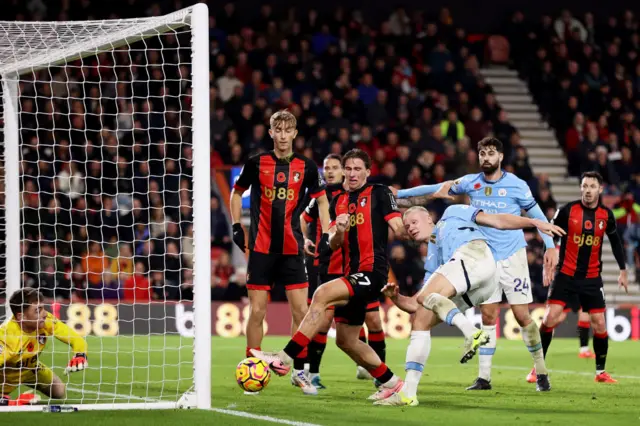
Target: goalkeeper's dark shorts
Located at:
point(267, 270)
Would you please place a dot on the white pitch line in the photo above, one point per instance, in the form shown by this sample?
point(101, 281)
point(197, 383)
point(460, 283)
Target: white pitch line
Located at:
point(577, 373)
point(264, 418)
point(217, 410)
point(112, 395)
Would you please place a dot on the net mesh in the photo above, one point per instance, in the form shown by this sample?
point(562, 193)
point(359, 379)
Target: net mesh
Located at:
point(106, 199)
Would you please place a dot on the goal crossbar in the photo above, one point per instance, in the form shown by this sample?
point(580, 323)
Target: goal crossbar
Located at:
point(111, 34)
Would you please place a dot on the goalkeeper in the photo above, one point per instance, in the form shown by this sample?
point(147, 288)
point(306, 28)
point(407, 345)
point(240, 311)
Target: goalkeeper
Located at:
point(23, 338)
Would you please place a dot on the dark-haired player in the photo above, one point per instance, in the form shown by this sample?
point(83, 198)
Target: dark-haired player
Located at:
point(23, 338)
point(278, 181)
point(360, 218)
point(586, 222)
point(327, 266)
point(496, 191)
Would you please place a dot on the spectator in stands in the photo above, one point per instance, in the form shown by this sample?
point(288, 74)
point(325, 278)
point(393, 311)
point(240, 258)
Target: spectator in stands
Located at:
point(136, 287)
point(452, 129)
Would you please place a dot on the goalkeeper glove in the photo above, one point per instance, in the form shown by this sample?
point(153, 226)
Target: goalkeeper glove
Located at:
point(77, 363)
point(238, 235)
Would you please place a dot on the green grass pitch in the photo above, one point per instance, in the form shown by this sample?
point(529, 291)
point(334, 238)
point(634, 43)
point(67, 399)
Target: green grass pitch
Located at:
point(160, 367)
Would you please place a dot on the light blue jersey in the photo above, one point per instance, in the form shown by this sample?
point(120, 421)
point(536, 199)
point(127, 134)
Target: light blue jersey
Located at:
point(509, 194)
point(456, 227)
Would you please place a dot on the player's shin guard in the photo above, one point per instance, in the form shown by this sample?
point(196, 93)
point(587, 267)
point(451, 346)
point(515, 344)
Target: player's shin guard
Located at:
point(316, 349)
point(487, 352)
point(546, 334)
point(531, 337)
point(448, 312)
point(297, 346)
point(583, 334)
point(601, 347)
point(417, 355)
point(378, 344)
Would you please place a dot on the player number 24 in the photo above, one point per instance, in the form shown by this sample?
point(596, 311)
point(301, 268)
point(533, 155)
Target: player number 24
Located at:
point(520, 285)
point(105, 319)
point(279, 193)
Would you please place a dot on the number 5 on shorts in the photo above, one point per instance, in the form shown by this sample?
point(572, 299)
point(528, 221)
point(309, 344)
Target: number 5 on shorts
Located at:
point(361, 279)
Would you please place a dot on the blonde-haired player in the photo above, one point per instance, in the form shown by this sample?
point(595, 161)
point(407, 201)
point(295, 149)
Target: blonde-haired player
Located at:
point(23, 338)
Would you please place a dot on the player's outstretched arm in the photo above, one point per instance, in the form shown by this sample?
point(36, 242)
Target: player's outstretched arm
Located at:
point(407, 304)
point(509, 221)
point(421, 195)
point(68, 335)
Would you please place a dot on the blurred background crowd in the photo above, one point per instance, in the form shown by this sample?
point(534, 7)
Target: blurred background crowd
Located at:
point(106, 163)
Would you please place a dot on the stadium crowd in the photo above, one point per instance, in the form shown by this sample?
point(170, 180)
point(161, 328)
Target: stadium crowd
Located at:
point(106, 195)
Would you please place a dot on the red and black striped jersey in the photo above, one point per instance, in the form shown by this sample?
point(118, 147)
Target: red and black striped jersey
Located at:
point(329, 262)
point(365, 241)
point(278, 188)
point(581, 248)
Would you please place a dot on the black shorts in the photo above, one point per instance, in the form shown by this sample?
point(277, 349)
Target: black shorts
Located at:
point(574, 292)
point(266, 270)
point(364, 291)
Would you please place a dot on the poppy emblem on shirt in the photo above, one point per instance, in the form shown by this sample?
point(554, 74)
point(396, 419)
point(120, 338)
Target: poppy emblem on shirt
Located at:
point(352, 208)
point(488, 191)
point(588, 225)
point(477, 185)
point(30, 347)
point(281, 177)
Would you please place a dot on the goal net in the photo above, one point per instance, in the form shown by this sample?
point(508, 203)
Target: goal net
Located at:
point(105, 195)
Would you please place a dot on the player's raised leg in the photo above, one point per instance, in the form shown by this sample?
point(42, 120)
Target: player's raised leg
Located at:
point(328, 294)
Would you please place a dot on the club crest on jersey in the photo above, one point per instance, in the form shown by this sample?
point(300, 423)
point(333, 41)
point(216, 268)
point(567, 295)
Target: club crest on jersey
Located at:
point(487, 191)
point(588, 225)
point(281, 177)
point(42, 340)
point(352, 208)
point(478, 185)
point(363, 202)
point(601, 224)
point(296, 176)
point(502, 192)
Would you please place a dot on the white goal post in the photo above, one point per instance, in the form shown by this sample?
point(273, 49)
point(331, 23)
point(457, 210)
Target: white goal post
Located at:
point(112, 105)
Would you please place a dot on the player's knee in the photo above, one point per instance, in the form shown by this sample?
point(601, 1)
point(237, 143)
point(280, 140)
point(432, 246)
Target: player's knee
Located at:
point(373, 320)
point(598, 323)
point(299, 311)
point(58, 391)
point(344, 343)
point(522, 318)
point(489, 317)
point(257, 313)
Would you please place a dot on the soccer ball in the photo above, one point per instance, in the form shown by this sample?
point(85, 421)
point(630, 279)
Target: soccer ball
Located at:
point(253, 374)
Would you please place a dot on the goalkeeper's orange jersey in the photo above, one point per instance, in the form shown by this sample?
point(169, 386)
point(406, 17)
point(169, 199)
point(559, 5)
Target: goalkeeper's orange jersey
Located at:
point(19, 349)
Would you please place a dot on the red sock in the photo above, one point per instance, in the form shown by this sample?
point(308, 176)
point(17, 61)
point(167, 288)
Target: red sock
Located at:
point(382, 373)
point(248, 354)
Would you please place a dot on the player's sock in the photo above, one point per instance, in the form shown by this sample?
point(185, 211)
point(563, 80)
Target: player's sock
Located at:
point(546, 334)
point(378, 344)
point(315, 350)
point(531, 337)
point(417, 355)
point(449, 313)
point(600, 347)
point(583, 335)
point(486, 353)
point(363, 336)
point(301, 359)
point(296, 345)
point(383, 374)
point(247, 351)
